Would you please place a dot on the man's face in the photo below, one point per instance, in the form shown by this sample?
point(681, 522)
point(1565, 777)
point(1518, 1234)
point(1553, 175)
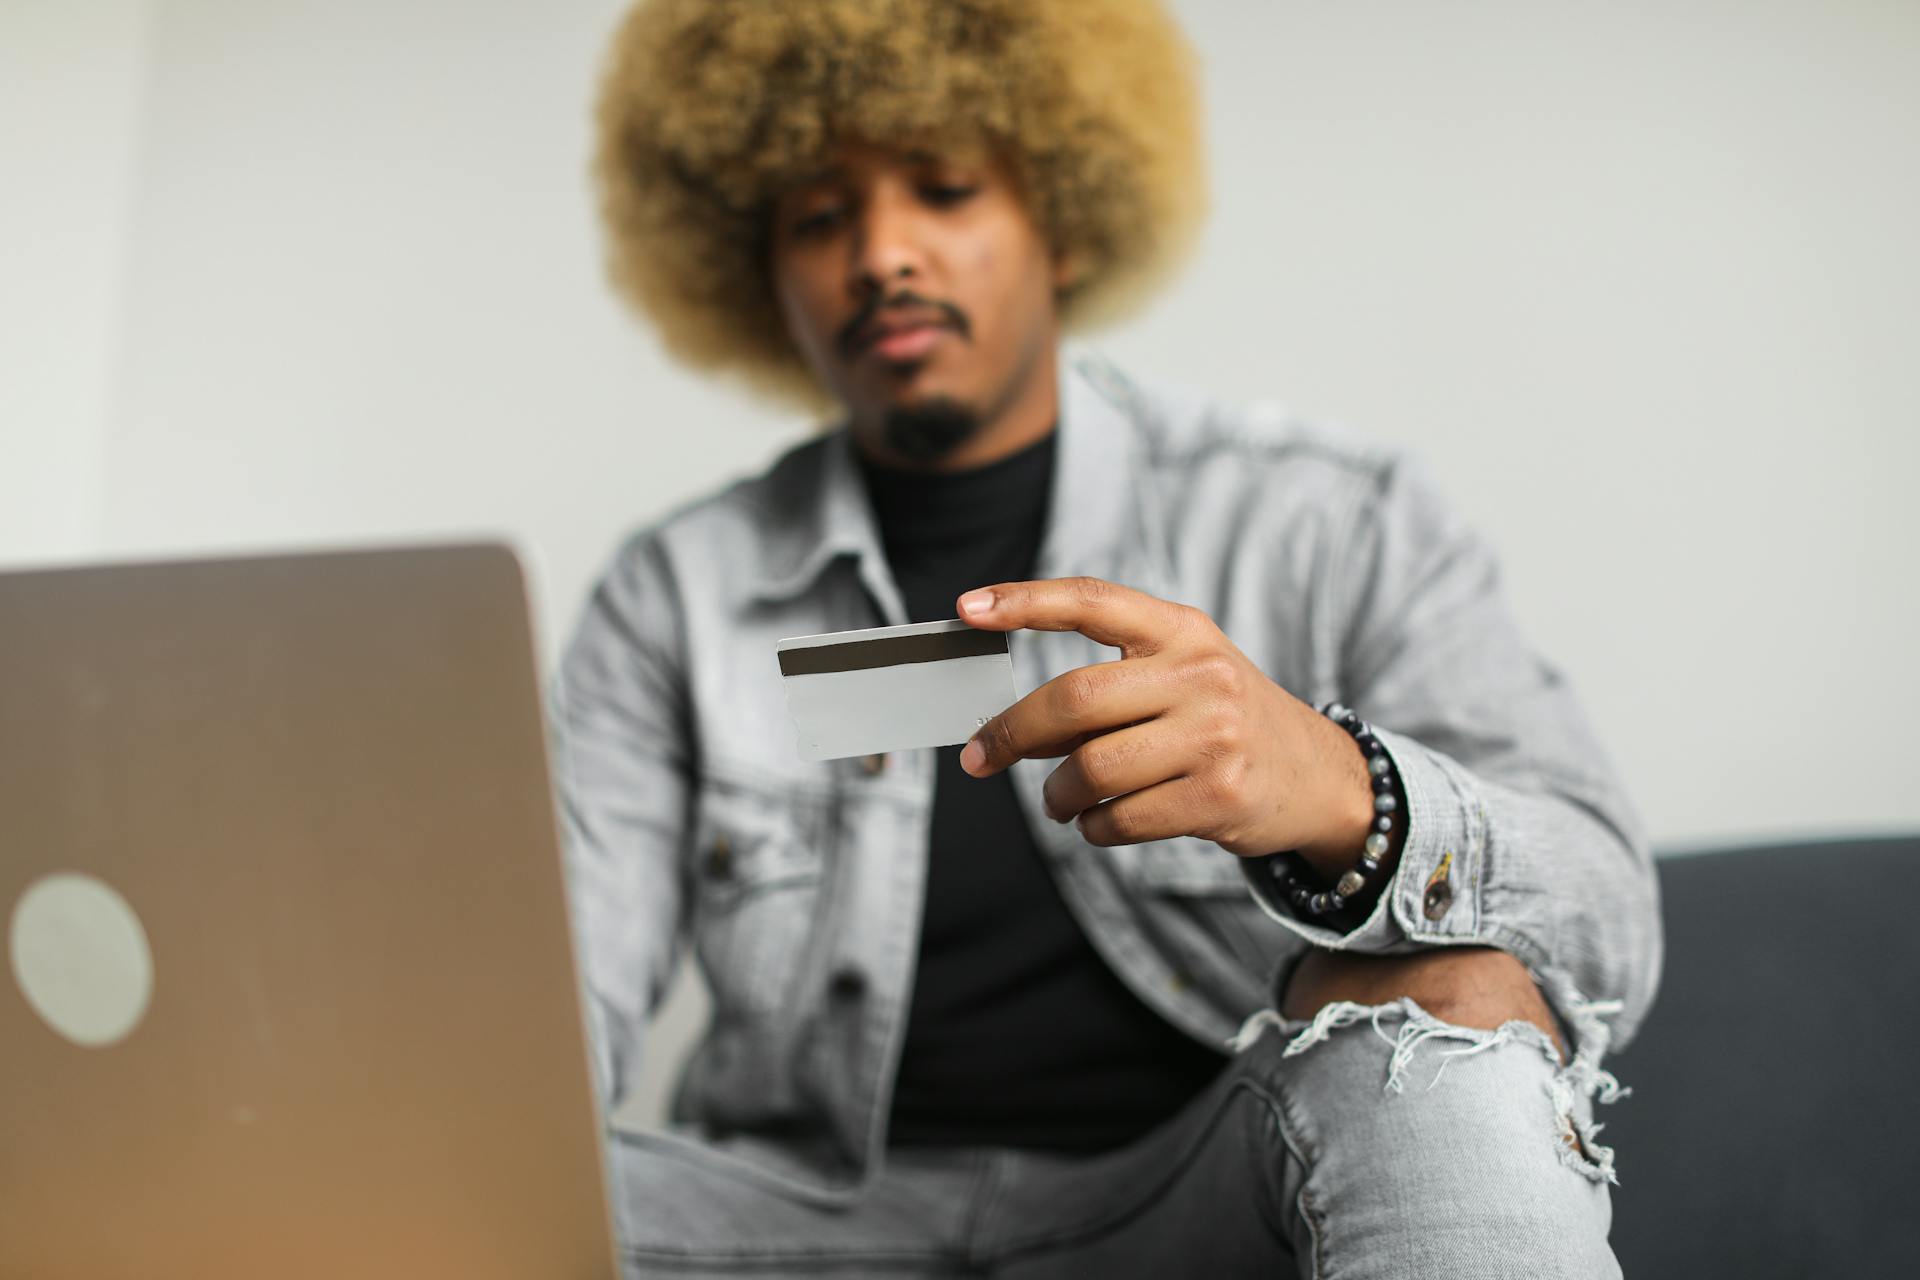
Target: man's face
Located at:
point(919, 291)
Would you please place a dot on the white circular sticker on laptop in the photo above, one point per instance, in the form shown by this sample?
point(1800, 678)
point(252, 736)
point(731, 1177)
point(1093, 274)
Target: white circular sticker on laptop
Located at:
point(81, 958)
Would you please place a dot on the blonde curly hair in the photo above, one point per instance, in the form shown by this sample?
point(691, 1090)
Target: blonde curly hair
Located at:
point(708, 107)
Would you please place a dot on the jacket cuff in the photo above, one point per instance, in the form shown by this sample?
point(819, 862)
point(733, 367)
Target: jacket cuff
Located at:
point(1434, 895)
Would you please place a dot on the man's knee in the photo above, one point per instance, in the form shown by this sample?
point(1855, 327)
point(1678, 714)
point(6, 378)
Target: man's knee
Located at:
point(1469, 986)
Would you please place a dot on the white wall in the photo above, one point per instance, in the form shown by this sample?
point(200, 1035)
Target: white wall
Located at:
point(71, 79)
point(365, 302)
point(1639, 279)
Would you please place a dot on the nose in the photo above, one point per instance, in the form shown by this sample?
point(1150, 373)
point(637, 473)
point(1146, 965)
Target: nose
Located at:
point(887, 247)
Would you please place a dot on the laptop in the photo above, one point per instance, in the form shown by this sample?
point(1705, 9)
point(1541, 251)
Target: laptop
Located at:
point(288, 987)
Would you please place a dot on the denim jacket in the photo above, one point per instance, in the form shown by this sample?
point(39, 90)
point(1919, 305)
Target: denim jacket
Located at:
point(691, 822)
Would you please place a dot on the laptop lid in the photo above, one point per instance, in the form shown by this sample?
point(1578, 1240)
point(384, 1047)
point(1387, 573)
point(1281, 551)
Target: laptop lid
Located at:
point(288, 986)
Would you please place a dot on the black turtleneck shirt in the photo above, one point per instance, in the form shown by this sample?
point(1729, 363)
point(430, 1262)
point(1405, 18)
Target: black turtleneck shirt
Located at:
point(1018, 1033)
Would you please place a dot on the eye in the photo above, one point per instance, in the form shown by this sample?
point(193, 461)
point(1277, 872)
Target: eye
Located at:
point(941, 193)
point(816, 221)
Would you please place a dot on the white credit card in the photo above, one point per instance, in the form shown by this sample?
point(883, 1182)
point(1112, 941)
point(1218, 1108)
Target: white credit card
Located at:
point(927, 684)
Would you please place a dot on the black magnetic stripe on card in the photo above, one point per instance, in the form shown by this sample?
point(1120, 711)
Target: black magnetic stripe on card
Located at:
point(891, 651)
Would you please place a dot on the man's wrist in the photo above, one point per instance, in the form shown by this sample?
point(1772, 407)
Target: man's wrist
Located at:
point(1348, 810)
point(1342, 874)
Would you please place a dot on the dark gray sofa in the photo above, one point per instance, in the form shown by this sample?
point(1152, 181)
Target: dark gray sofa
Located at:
point(1774, 1124)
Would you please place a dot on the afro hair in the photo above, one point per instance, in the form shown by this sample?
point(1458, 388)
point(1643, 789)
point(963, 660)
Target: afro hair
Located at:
point(708, 107)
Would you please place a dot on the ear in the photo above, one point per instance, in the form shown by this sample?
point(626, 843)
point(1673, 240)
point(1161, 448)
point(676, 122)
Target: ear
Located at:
point(1066, 270)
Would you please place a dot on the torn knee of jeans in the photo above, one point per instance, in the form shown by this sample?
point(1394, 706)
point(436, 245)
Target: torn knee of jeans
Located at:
point(1417, 1029)
point(1572, 1089)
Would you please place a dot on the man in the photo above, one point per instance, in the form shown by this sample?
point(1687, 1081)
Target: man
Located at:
point(1159, 973)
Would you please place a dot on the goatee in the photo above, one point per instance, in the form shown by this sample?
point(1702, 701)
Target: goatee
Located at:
point(931, 429)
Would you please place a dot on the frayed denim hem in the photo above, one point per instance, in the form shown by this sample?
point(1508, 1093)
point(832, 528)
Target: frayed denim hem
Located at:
point(1572, 1084)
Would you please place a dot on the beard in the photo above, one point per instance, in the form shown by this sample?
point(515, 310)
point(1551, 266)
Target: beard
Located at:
point(930, 430)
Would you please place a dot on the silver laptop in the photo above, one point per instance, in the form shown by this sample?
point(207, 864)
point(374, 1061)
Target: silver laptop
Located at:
point(287, 987)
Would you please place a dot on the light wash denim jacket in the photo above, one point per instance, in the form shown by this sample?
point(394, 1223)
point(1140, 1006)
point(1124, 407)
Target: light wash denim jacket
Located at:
point(691, 820)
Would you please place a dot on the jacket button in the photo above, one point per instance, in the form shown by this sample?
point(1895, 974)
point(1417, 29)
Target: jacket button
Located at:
point(1439, 894)
point(874, 763)
point(847, 984)
point(719, 862)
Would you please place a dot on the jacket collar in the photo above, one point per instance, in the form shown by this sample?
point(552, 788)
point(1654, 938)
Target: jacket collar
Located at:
point(823, 515)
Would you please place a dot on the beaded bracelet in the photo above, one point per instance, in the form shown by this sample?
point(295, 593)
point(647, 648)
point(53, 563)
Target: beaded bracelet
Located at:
point(1385, 779)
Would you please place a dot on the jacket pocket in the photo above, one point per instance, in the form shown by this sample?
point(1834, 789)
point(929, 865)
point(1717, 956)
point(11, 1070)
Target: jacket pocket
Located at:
point(756, 881)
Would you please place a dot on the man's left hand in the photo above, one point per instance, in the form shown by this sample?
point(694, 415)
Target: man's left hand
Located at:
point(1181, 736)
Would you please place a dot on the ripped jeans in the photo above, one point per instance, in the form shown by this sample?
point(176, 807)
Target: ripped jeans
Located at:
point(1368, 1142)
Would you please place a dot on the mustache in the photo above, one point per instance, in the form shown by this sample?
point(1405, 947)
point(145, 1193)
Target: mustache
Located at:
point(954, 318)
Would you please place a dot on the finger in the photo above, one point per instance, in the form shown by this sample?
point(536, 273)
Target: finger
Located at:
point(1068, 710)
point(1131, 621)
point(1176, 807)
point(1114, 764)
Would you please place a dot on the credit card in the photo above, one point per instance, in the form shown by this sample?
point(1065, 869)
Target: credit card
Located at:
point(927, 684)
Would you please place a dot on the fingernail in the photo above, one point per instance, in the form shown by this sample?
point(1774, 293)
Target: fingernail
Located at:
point(976, 602)
point(972, 756)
